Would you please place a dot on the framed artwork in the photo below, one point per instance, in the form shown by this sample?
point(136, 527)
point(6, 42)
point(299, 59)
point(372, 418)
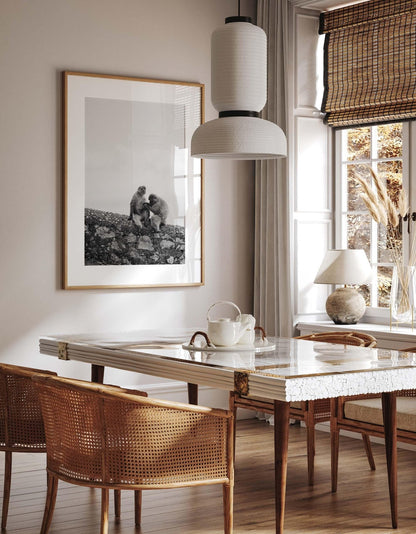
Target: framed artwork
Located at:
point(133, 208)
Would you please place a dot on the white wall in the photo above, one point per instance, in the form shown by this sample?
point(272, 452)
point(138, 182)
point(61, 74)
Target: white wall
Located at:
point(145, 38)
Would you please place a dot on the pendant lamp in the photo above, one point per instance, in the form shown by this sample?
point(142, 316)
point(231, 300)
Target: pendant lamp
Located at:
point(239, 93)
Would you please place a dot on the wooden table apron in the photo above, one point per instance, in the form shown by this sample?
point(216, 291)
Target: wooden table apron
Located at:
point(283, 380)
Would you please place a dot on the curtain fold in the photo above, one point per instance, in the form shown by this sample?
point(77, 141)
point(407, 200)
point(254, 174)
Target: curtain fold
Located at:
point(272, 293)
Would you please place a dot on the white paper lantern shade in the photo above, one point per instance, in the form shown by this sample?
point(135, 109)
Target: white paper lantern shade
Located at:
point(238, 138)
point(239, 67)
point(239, 93)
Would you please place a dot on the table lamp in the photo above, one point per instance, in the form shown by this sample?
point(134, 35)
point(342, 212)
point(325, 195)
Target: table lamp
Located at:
point(347, 266)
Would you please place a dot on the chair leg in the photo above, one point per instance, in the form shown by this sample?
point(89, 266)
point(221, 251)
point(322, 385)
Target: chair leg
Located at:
point(52, 484)
point(104, 510)
point(117, 503)
point(137, 507)
point(233, 408)
point(334, 459)
point(6, 488)
point(193, 393)
point(368, 451)
point(310, 439)
point(228, 496)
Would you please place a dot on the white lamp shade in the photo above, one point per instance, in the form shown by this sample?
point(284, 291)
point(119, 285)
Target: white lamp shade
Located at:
point(239, 67)
point(239, 138)
point(239, 93)
point(346, 266)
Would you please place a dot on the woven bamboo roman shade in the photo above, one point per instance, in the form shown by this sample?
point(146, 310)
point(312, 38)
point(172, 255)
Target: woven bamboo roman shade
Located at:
point(370, 63)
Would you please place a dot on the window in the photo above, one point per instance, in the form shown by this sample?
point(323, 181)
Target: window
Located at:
point(385, 149)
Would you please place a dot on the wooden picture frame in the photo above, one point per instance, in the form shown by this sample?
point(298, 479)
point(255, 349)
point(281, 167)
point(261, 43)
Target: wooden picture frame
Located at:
point(133, 196)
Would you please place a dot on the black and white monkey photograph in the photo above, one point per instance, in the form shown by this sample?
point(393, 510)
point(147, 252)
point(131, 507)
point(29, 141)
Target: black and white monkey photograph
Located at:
point(153, 213)
point(139, 212)
point(134, 204)
point(159, 211)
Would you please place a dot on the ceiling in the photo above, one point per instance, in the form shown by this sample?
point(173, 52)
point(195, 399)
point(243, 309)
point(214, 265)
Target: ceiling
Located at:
point(324, 5)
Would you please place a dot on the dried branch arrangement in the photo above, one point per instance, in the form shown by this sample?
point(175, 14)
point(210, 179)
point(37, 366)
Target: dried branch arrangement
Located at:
point(384, 211)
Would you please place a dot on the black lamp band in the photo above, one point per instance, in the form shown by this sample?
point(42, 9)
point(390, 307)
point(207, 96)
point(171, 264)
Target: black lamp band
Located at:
point(238, 19)
point(238, 113)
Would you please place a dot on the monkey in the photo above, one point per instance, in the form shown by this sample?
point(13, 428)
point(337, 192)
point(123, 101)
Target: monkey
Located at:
point(159, 208)
point(139, 211)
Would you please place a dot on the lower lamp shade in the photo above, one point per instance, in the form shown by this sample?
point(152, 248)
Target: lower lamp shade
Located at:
point(239, 138)
point(345, 306)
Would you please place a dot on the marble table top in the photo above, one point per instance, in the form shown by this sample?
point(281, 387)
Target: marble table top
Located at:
point(294, 370)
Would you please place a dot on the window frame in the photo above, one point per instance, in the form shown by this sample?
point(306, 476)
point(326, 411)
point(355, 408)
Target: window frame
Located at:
point(408, 178)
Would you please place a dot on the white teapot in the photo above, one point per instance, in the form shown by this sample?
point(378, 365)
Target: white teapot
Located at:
point(225, 332)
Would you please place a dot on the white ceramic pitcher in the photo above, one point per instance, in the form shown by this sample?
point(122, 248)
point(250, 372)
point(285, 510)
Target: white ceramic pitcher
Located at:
point(226, 332)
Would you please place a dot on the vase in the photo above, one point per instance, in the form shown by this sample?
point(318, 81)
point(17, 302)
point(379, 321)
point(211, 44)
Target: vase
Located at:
point(402, 296)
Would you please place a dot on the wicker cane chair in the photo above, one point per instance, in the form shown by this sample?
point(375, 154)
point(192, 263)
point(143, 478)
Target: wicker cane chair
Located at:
point(310, 412)
point(21, 425)
point(363, 414)
point(104, 437)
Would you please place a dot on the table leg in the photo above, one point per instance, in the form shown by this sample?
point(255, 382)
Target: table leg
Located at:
point(193, 393)
point(390, 434)
point(281, 440)
point(97, 373)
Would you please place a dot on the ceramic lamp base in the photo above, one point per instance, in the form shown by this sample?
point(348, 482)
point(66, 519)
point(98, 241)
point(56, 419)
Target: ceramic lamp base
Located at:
point(345, 306)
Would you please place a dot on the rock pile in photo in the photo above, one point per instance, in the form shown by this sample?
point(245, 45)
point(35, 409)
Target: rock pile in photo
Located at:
point(111, 239)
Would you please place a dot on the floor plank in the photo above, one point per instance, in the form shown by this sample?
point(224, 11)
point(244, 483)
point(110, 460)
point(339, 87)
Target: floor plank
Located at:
point(360, 506)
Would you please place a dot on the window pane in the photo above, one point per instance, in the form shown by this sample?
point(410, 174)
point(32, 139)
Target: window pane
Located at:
point(355, 203)
point(365, 292)
point(389, 140)
point(359, 231)
point(383, 255)
point(389, 244)
point(392, 174)
point(378, 148)
point(358, 143)
point(394, 244)
point(384, 275)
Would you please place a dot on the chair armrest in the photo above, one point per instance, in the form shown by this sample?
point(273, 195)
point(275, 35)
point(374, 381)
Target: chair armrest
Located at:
point(24, 372)
point(172, 405)
point(130, 395)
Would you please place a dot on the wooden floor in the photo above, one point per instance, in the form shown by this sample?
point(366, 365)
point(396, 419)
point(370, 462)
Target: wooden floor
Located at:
point(361, 505)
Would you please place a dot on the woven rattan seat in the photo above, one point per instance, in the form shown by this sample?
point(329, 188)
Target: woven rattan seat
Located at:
point(363, 414)
point(310, 412)
point(21, 425)
point(109, 438)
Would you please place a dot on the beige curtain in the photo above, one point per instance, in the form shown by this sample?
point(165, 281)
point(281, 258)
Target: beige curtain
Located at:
point(272, 279)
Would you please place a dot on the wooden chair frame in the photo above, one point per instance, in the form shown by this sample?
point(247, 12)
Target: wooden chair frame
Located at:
point(164, 444)
point(310, 412)
point(21, 425)
point(340, 422)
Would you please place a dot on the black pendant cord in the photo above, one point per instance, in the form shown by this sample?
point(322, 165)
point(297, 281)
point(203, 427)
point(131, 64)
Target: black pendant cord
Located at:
point(238, 18)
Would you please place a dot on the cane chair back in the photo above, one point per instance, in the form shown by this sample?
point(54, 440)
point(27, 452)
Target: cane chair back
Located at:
point(369, 340)
point(310, 412)
point(105, 437)
point(359, 339)
point(21, 425)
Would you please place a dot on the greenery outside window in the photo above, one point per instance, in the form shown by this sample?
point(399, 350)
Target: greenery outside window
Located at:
point(384, 148)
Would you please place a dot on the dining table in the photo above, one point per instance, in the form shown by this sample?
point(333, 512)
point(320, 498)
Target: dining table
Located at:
point(276, 368)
